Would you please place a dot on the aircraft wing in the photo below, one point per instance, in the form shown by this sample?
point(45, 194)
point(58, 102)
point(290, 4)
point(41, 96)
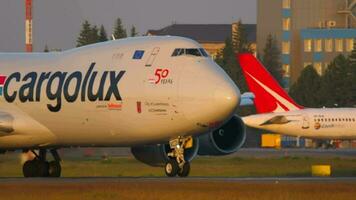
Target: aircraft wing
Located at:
point(280, 119)
point(247, 99)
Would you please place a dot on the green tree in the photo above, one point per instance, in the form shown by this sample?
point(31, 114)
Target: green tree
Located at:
point(102, 34)
point(94, 35)
point(352, 76)
point(271, 59)
point(133, 32)
point(306, 90)
point(227, 60)
point(336, 86)
point(239, 39)
point(85, 34)
point(119, 30)
point(238, 43)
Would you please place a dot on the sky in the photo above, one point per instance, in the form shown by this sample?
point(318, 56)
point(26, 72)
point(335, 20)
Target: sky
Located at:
point(57, 22)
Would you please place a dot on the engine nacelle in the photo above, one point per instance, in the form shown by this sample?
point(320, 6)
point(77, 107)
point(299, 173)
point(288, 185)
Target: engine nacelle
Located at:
point(157, 155)
point(225, 140)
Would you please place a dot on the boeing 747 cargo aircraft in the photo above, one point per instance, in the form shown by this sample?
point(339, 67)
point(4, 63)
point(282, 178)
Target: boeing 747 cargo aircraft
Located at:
point(279, 113)
point(162, 96)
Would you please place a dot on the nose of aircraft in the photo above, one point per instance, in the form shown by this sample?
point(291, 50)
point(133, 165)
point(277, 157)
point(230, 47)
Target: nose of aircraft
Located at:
point(227, 97)
point(207, 94)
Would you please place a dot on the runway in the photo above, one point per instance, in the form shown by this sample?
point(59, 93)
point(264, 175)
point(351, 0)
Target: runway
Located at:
point(178, 188)
point(83, 180)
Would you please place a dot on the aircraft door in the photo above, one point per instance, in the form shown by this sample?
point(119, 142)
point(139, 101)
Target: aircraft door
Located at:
point(305, 122)
point(152, 57)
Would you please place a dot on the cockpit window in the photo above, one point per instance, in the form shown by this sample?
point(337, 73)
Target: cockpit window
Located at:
point(178, 52)
point(191, 52)
point(203, 52)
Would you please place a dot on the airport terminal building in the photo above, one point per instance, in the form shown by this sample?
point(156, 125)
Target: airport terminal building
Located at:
point(309, 32)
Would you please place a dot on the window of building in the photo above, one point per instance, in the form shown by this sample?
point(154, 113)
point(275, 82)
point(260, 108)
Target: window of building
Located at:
point(307, 45)
point(286, 4)
point(318, 46)
point(286, 24)
point(285, 47)
point(286, 70)
point(319, 68)
point(329, 45)
point(349, 44)
point(339, 46)
point(306, 64)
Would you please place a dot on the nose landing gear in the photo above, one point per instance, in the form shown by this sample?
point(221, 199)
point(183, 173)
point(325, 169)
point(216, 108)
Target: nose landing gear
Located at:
point(177, 165)
point(40, 167)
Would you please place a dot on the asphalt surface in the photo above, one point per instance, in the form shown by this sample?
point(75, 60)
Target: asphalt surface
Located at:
point(244, 152)
point(84, 180)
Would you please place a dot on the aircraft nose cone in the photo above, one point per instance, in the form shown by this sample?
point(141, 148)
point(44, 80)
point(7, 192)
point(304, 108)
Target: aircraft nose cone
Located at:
point(227, 98)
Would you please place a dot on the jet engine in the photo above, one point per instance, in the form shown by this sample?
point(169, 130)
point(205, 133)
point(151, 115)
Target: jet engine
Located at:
point(225, 140)
point(157, 155)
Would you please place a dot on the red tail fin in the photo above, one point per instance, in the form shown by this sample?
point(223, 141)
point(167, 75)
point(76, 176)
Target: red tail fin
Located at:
point(269, 95)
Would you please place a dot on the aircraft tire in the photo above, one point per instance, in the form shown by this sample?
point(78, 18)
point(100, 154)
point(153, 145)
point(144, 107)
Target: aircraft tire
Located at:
point(54, 169)
point(42, 168)
point(35, 168)
point(184, 172)
point(28, 169)
point(171, 168)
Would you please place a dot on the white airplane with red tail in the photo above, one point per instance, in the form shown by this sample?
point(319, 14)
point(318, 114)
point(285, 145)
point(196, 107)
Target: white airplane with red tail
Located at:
point(279, 113)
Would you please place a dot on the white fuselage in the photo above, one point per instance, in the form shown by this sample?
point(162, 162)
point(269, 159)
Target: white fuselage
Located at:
point(325, 123)
point(119, 93)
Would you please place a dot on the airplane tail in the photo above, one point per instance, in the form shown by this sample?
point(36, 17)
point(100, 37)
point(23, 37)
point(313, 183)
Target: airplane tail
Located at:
point(269, 95)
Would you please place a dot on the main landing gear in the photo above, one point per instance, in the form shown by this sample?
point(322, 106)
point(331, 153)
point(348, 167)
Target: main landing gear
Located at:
point(40, 167)
point(177, 165)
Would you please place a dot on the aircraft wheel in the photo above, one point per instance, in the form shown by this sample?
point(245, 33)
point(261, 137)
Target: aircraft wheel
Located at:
point(42, 168)
point(184, 172)
point(35, 168)
point(171, 168)
point(54, 169)
point(28, 169)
